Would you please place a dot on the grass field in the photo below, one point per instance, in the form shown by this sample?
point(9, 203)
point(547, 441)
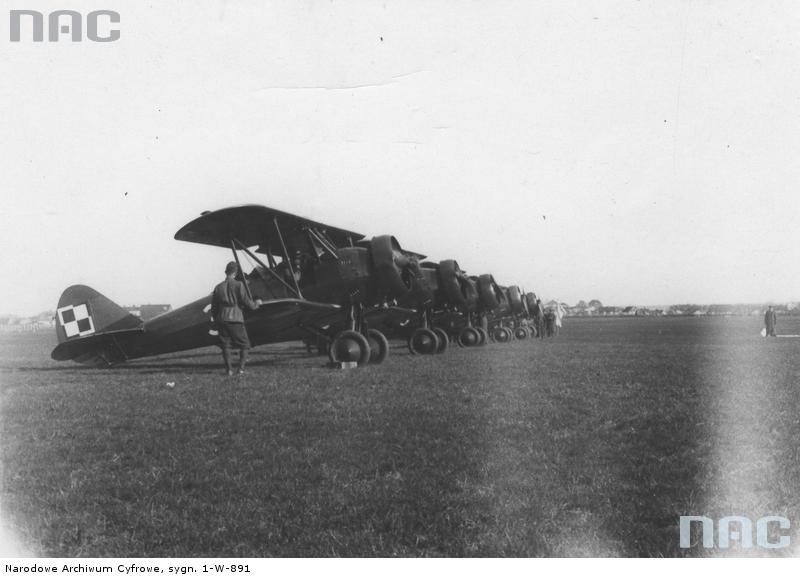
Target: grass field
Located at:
point(589, 444)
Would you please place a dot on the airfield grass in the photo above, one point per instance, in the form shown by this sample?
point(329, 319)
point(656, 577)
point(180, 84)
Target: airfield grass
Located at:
point(589, 444)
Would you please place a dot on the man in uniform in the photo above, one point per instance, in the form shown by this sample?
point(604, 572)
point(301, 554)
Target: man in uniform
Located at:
point(227, 302)
point(770, 321)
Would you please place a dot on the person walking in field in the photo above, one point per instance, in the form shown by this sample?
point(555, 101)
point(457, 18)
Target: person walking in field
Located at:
point(227, 303)
point(770, 321)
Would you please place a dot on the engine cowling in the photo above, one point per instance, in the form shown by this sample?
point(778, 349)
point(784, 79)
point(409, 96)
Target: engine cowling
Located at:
point(393, 270)
point(422, 283)
point(459, 289)
point(515, 300)
point(530, 302)
point(490, 294)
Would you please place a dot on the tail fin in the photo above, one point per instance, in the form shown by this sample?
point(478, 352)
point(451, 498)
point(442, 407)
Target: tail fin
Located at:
point(92, 329)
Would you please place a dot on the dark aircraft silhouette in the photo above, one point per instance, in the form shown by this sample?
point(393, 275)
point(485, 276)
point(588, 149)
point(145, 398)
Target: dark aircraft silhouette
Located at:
point(445, 302)
point(513, 317)
point(324, 286)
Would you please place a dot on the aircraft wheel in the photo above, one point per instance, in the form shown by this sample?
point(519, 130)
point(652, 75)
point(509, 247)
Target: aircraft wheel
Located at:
point(501, 335)
point(349, 346)
point(469, 337)
point(378, 346)
point(484, 335)
point(423, 341)
point(443, 340)
point(521, 333)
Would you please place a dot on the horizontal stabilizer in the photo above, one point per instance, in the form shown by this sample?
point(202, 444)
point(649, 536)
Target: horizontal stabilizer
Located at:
point(100, 349)
point(90, 325)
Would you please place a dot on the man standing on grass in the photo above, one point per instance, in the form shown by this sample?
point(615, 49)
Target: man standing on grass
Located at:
point(227, 302)
point(770, 321)
point(538, 318)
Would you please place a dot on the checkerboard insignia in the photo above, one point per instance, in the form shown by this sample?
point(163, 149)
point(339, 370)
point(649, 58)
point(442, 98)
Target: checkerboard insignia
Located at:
point(76, 320)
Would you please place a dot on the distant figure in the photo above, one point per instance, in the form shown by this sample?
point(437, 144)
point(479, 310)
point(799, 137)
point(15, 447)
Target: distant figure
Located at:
point(227, 301)
point(770, 321)
point(538, 318)
point(550, 322)
point(560, 313)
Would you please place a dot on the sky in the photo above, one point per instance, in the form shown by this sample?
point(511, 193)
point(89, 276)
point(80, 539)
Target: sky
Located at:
point(637, 152)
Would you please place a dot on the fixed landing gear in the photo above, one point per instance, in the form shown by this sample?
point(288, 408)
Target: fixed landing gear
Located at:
point(501, 334)
point(444, 340)
point(423, 341)
point(520, 333)
point(358, 344)
point(378, 346)
point(349, 346)
point(352, 346)
point(469, 337)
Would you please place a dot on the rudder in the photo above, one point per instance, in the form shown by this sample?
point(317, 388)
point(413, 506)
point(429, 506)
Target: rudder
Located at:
point(86, 323)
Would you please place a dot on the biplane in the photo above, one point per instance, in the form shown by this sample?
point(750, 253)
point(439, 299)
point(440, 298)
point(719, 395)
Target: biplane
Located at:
point(314, 280)
point(513, 318)
point(449, 304)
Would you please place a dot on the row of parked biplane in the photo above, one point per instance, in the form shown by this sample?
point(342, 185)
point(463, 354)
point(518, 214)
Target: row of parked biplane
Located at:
point(331, 288)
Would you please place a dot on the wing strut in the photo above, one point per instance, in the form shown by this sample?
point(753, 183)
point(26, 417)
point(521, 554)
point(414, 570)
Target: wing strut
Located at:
point(244, 277)
point(286, 258)
point(265, 268)
point(326, 245)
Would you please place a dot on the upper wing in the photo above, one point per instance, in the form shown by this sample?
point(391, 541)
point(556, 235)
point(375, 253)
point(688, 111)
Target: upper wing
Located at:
point(254, 225)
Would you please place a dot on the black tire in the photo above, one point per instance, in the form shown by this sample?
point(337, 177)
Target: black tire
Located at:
point(349, 346)
point(484, 335)
point(423, 342)
point(501, 335)
point(521, 333)
point(378, 346)
point(444, 340)
point(469, 337)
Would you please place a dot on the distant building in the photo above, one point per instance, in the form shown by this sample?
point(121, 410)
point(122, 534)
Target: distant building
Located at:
point(725, 310)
